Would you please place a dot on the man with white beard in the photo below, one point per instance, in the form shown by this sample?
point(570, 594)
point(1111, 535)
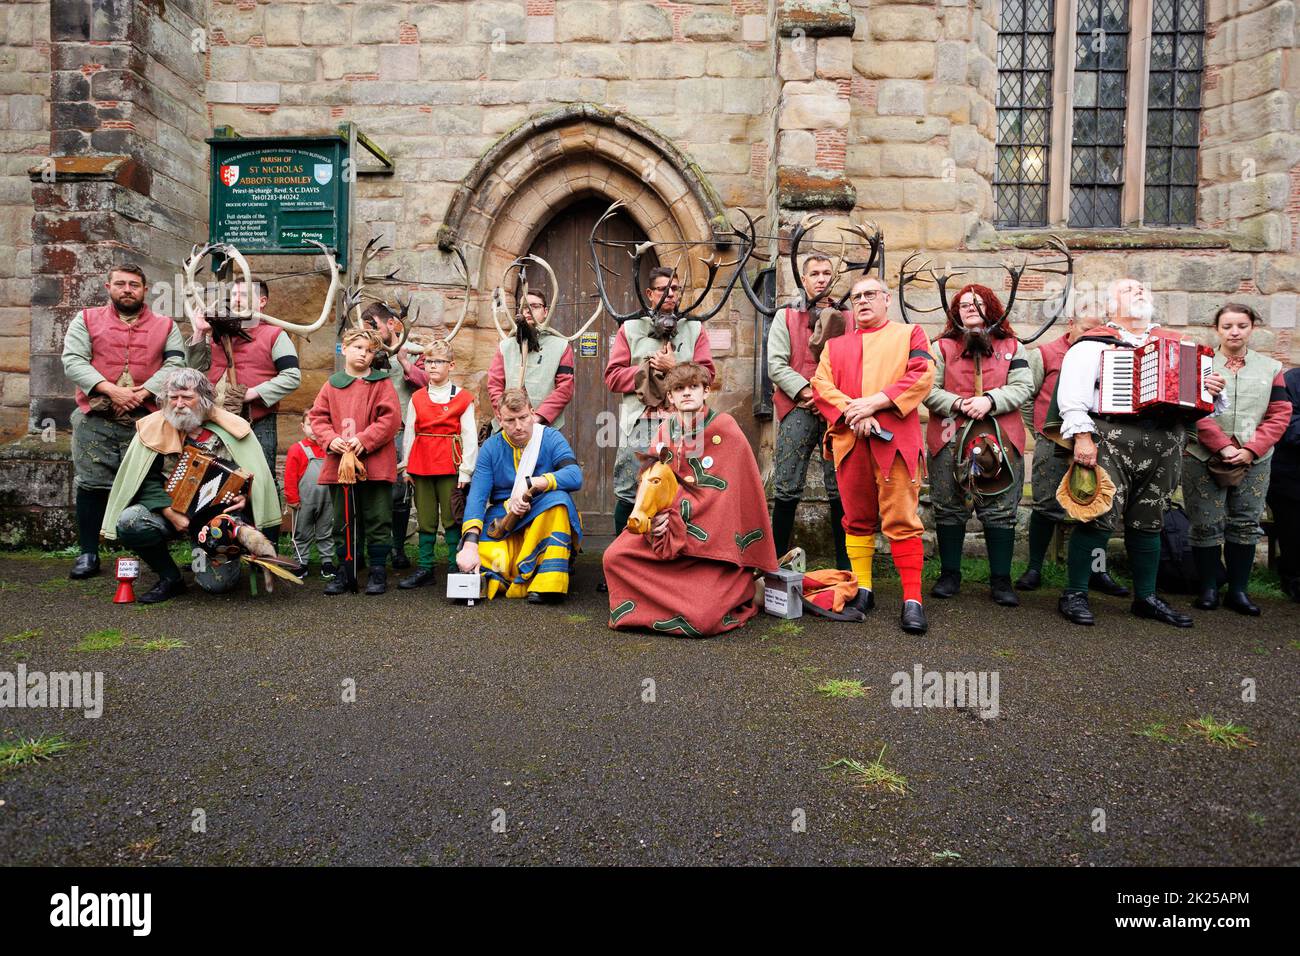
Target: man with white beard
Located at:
point(1142, 454)
point(140, 512)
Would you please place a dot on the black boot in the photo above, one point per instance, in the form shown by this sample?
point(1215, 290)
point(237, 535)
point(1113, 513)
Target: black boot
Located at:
point(401, 521)
point(86, 566)
point(842, 562)
point(164, 590)
point(1240, 602)
point(341, 583)
point(948, 585)
point(1208, 599)
point(1031, 580)
point(419, 579)
point(1001, 591)
point(378, 582)
point(783, 513)
point(1155, 608)
point(913, 618)
point(1073, 606)
point(1103, 583)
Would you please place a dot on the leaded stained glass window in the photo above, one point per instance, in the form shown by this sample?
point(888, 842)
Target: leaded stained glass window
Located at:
point(1173, 112)
point(1100, 104)
point(1024, 109)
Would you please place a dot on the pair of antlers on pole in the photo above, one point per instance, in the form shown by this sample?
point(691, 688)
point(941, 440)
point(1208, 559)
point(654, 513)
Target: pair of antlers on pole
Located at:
point(229, 322)
point(713, 263)
point(358, 293)
point(873, 239)
point(501, 313)
point(1052, 309)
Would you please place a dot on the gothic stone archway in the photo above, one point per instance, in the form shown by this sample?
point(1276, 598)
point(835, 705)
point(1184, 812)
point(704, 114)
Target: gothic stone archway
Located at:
point(528, 185)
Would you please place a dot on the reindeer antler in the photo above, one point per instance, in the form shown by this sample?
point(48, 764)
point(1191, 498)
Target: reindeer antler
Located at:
point(806, 225)
point(619, 317)
point(291, 327)
point(1053, 310)
point(463, 268)
point(747, 244)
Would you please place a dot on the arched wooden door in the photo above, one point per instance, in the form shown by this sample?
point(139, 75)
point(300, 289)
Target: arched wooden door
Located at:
point(590, 422)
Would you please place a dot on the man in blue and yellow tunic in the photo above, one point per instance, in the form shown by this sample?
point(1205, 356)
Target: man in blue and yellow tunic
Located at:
point(521, 528)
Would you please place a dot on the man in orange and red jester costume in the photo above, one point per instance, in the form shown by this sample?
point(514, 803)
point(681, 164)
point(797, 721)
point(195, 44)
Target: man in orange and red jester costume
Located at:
point(685, 563)
point(868, 385)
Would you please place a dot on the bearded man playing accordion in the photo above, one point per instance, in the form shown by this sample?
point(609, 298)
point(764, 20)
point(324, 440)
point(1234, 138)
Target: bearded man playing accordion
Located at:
point(1141, 452)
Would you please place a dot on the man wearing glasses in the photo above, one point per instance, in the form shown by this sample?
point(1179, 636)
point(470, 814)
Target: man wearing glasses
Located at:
point(644, 350)
point(548, 376)
point(868, 386)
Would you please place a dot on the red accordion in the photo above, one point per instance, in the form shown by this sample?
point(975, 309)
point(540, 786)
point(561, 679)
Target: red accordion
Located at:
point(1164, 373)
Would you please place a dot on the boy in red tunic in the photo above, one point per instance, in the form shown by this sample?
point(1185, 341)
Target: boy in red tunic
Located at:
point(692, 573)
point(868, 386)
point(441, 446)
point(357, 411)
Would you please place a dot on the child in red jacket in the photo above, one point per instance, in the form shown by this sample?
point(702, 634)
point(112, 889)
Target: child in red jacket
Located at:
point(357, 410)
point(441, 443)
point(309, 502)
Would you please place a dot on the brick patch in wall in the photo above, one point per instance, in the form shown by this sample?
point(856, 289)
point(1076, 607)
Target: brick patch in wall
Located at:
point(864, 91)
point(541, 8)
point(832, 148)
point(1247, 286)
point(88, 68)
point(337, 111)
point(678, 12)
point(258, 40)
point(360, 77)
point(218, 37)
point(264, 110)
point(408, 33)
point(1211, 79)
point(1029, 282)
point(1293, 208)
point(758, 160)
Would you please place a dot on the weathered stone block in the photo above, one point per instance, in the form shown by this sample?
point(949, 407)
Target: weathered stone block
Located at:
point(711, 25)
point(588, 20)
point(901, 98)
point(643, 21)
point(796, 147)
point(835, 57)
point(894, 60)
point(814, 111)
point(327, 25)
point(801, 188)
point(282, 25)
point(815, 18)
point(377, 23)
point(902, 23)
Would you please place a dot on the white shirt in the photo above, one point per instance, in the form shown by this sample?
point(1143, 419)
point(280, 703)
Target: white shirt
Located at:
point(441, 395)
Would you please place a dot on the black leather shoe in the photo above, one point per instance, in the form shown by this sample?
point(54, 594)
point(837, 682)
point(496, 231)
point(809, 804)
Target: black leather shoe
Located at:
point(86, 566)
point(378, 582)
point(1154, 608)
point(1031, 580)
point(400, 561)
point(1001, 591)
point(1240, 602)
point(1208, 600)
point(913, 618)
point(550, 597)
point(1102, 582)
point(299, 570)
point(419, 579)
point(165, 589)
point(865, 601)
point(340, 584)
point(328, 570)
point(948, 585)
point(1073, 606)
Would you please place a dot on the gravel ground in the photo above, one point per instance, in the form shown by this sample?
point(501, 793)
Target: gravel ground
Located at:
point(518, 734)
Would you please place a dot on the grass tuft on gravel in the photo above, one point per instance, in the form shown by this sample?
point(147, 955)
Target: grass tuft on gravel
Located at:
point(1226, 734)
point(26, 750)
point(943, 856)
point(1155, 730)
point(842, 688)
point(160, 644)
point(105, 640)
point(22, 636)
point(873, 775)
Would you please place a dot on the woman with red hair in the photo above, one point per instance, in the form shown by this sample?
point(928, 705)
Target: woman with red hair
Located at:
point(976, 438)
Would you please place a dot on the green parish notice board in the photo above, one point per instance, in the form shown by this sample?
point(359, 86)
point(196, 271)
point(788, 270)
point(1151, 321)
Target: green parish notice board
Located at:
point(271, 195)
